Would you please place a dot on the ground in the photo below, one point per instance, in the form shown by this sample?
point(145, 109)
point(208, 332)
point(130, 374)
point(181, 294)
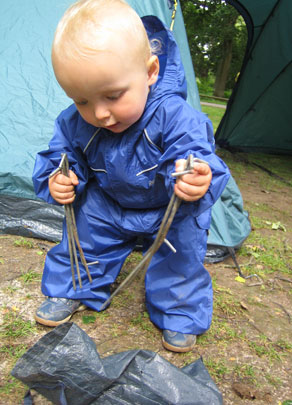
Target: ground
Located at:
point(248, 349)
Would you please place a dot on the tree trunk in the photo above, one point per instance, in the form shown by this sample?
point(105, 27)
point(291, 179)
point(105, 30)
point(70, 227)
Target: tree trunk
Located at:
point(223, 69)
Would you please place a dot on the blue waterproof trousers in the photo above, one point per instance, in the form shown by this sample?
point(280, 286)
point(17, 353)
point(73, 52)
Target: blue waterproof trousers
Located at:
point(178, 287)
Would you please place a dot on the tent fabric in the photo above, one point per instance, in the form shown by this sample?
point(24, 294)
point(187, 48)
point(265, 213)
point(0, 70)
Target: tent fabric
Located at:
point(228, 213)
point(258, 117)
point(31, 101)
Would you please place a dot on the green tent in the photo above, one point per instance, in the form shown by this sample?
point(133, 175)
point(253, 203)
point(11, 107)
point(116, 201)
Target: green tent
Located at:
point(31, 100)
point(258, 116)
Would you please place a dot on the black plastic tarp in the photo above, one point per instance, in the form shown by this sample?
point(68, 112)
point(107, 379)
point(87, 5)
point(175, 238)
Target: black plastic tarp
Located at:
point(65, 367)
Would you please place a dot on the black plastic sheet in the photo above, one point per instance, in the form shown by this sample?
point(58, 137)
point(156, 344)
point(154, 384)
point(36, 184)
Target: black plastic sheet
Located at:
point(31, 218)
point(65, 367)
point(216, 254)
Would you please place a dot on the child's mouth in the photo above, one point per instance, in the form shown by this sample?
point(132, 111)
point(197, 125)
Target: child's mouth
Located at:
point(114, 126)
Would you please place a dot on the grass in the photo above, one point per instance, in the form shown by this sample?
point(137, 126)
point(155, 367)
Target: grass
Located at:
point(11, 385)
point(13, 351)
point(134, 258)
point(280, 165)
point(265, 348)
point(216, 368)
point(22, 242)
point(14, 331)
point(270, 253)
point(30, 276)
point(15, 327)
point(267, 253)
point(226, 302)
point(245, 371)
point(142, 321)
point(215, 114)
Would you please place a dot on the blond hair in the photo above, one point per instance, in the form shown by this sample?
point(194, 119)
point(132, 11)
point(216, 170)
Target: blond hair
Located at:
point(89, 26)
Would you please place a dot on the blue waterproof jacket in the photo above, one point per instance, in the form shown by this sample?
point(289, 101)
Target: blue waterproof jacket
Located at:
point(125, 182)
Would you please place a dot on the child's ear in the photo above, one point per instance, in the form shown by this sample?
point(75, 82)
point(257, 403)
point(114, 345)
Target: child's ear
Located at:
point(153, 69)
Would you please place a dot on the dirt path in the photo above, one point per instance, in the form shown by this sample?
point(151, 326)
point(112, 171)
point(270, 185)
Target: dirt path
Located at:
point(213, 104)
point(248, 349)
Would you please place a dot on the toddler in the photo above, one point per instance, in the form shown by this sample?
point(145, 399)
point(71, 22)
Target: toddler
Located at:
point(127, 131)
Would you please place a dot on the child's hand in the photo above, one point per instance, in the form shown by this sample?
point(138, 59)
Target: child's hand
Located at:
point(193, 186)
point(62, 187)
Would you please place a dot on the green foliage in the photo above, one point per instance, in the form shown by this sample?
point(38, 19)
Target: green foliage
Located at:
point(206, 85)
point(214, 29)
point(30, 276)
point(22, 242)
point(134, 257)
point(86, 319)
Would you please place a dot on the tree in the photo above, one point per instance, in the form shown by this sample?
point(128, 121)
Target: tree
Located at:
point(217, 38)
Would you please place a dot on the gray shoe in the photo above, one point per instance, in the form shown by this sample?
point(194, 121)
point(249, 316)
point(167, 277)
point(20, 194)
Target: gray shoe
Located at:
point(55, 311)
point(178, 342)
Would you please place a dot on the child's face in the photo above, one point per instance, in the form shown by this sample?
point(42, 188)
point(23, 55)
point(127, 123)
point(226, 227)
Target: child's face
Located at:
point(109, 91)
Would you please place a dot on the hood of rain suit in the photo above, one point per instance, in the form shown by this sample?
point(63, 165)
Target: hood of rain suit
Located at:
point(171, 80)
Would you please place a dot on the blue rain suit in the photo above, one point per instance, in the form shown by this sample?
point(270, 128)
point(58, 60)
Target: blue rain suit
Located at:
point(125, 184)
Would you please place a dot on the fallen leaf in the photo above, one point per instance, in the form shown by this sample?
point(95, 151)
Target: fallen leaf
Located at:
point(240, 279)
point(243, 305)
point(276, 226)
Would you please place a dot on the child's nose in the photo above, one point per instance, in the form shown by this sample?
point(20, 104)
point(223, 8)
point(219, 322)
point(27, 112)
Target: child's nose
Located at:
point(101, 112)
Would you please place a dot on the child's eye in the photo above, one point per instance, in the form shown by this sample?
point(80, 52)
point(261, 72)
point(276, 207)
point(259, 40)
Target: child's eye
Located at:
point(80, 102)
point(114, 96)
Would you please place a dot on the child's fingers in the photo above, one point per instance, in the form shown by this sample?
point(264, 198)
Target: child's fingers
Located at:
point(63, 198)
point(189, 193)
point(60, 178)
point(196, 179)
point(193, 186)
point(62, 188)
point(180, 165)
point(73, 177)
point(202, 168)
point(65, 181)
point(62, 194)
